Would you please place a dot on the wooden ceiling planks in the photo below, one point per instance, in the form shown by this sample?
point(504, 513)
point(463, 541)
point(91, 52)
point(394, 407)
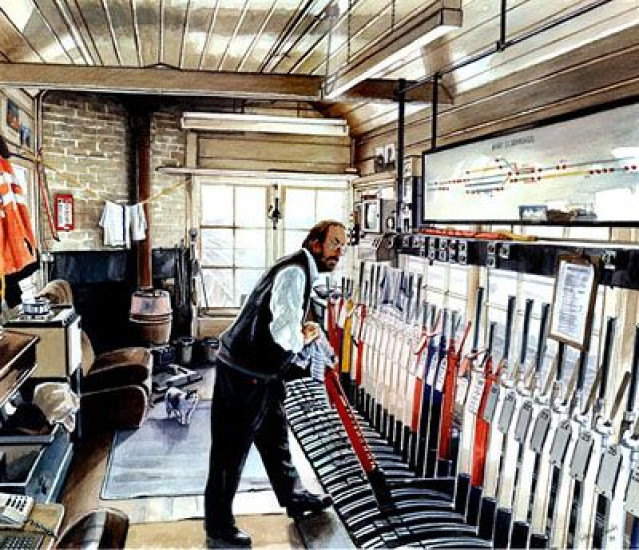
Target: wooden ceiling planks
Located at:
point(502, 66)
point(291, 36)
point(209, 35)
point(146, 15)
point(80, 26)
point(288, 32)
point(125, 40)
point(55, 22)
point(94, 17)
point(221, 31)
point(260, 41)
point(347, 33)
point(14, 45)
point(198, 19)
point(306, 41)
point(238, 41)
point(480, 29)
point(600, 72)
point(78, 31)
point(174, 24)
point(38, 33)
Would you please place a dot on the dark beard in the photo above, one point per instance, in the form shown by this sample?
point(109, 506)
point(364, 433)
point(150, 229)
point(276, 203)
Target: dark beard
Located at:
point(322, 265)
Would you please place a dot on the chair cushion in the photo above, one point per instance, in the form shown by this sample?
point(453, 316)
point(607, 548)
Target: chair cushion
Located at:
point(57, 291)
point(104, 528)
point(119, 368)
point(124, 407)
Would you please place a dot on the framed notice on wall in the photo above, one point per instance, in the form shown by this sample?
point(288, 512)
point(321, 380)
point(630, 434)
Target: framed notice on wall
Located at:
point(574, 300)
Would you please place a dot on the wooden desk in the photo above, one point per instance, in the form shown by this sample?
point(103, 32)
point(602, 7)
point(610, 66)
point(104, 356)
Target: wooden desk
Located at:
point(17, 361)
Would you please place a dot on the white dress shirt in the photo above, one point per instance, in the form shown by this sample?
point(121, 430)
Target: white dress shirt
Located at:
point(287, 305)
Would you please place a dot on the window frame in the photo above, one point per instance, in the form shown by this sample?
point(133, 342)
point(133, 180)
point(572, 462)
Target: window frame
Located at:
point(275, 238)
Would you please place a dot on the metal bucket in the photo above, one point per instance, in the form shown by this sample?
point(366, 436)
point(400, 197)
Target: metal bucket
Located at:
point(209, 349)
point(185, 350)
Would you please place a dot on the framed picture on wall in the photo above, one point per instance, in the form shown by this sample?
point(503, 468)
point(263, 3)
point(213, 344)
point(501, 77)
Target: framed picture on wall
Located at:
point(574, 298)
point(16, 123)
point(13, 116)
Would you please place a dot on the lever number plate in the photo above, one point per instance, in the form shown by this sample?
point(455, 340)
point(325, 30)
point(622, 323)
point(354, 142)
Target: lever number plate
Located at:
point(507, 412)
point(581, 456)
point(540, 430)
point(461, 391)
point(632, 494)
point(491, 403)
point(475, 396)
point(608, 471)
point(560, 443)
point(441, 375)
point(432, 371)
point(525, 416)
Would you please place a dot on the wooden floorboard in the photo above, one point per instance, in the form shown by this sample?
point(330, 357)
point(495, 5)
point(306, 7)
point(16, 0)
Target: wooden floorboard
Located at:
point(81, 492)
point(259, 515)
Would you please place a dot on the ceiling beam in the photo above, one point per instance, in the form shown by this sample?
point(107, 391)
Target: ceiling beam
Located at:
point(161, 81)
point(176, 82)
point(379, 90)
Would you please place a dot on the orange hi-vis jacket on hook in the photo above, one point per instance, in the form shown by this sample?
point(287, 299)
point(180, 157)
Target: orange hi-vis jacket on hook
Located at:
point(17, 243)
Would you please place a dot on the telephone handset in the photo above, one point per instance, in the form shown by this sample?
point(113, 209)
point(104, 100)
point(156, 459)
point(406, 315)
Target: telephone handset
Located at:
point(14, 510)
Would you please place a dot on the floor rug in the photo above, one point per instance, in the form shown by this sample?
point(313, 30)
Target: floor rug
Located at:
point(163, 458)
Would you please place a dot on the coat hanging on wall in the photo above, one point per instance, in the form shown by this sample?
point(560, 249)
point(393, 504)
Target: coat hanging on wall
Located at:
point(17, 242)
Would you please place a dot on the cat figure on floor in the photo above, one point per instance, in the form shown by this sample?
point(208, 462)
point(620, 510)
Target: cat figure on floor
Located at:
point(180, 404)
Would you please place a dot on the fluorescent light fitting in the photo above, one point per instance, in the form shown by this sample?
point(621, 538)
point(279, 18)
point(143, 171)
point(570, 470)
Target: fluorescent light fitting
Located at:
point(238, 122)
point(391, 50)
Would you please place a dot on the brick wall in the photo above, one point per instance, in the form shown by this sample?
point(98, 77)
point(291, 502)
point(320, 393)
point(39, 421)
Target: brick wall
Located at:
point(87, 143)
point(168, 147)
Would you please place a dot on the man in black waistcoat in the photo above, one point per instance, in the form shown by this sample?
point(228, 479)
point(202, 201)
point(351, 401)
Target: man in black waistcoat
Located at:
point(248, 399)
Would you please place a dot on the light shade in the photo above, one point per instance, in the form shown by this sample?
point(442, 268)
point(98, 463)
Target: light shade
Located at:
point(239, 122)
point(435, 21)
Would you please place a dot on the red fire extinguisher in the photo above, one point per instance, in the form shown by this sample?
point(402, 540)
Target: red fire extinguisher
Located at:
point(64, 212)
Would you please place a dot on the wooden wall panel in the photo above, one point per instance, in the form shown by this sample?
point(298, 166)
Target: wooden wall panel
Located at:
point(274, 152)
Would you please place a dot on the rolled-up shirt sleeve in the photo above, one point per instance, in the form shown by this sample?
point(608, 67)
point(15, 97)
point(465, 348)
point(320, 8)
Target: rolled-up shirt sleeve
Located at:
point(287, 308)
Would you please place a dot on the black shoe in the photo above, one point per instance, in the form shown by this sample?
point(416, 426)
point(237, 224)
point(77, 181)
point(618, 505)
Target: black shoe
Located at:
point(303, 503)
point(232, 537)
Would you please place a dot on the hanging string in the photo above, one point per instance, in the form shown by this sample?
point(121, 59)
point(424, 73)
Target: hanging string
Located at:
point(75, 182)
point(164, 191)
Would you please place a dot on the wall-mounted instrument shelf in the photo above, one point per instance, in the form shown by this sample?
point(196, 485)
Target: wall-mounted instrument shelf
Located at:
point(619, 262)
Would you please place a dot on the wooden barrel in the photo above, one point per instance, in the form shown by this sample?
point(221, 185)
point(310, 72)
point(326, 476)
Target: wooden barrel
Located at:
point(151, 316)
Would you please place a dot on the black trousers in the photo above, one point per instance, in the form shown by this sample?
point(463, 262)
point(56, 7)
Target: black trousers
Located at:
point(245, 410)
